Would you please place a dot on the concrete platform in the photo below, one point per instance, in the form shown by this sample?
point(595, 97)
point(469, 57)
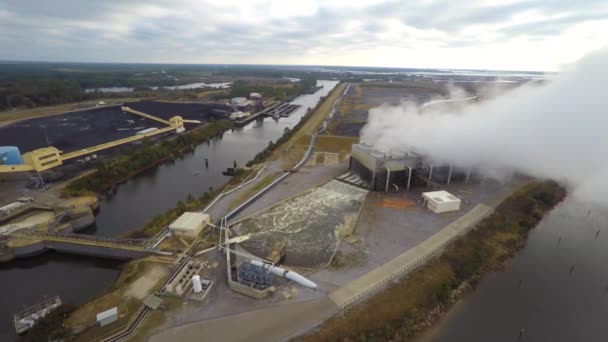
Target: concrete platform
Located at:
point(409, 260)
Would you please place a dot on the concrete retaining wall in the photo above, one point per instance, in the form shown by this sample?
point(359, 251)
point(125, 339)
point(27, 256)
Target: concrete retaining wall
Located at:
point(29, 250)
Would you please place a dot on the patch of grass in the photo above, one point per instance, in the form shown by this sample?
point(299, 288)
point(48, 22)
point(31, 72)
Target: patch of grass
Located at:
point(336, 144)
point(316, 119)
point(404, 308)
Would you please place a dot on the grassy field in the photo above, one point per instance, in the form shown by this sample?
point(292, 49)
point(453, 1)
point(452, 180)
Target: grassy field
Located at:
point(408, 306)
point(336, 144)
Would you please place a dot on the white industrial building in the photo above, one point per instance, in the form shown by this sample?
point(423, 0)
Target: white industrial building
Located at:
point(106, 317)
point(239, 102)
point(190, 224)
point(255, 96)
point(441, 201)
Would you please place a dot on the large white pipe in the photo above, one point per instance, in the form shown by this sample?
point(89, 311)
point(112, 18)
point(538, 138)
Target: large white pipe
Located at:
point(281, 272)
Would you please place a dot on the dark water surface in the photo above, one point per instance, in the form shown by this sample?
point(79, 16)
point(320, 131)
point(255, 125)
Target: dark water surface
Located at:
point(552, 303)
point(78, 279)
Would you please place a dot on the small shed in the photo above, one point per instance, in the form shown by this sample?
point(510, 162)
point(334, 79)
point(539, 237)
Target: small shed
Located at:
point(441, 201)
point(190, 224)
point(106, 317)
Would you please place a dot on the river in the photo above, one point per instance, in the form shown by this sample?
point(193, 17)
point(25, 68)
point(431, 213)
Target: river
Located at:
point(563, 295)
point(136, 202)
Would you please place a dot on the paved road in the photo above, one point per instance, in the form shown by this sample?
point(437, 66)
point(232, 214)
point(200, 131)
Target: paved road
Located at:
point(274, 323)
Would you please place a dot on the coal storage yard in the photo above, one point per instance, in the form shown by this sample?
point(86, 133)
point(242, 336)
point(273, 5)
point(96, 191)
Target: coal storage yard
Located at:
point(76, 130)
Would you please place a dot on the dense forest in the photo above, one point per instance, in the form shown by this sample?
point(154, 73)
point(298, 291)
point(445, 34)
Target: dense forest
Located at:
point(33, 84)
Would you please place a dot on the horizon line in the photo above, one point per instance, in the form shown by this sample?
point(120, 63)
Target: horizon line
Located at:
point(6, 61)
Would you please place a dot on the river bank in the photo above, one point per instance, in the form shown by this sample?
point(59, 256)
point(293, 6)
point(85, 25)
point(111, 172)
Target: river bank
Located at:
point(409, 306)
point(119, 170)
point(137, 201)
point(191, 203)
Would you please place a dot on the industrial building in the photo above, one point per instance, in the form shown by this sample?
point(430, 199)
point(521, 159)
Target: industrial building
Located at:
point(239, 102)
point(396, 169)
point(253, 275)
point(190, 224)
point(441, 201)
point(381, 170)
point(106, 317)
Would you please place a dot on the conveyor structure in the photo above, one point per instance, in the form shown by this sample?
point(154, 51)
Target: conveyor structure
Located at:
point(50, 157)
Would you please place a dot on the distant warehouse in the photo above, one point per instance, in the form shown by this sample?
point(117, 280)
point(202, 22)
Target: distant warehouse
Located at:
point(190, 224)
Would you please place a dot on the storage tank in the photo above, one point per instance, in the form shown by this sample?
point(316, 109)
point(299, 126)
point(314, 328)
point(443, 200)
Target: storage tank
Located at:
point(10, 155)
point(196, 284)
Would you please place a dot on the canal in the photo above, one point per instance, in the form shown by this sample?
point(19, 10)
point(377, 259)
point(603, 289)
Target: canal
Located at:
point(555, 289)
point(77, 279)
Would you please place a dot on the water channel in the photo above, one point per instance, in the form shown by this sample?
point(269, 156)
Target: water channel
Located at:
point(555, 289)
point(77, 279)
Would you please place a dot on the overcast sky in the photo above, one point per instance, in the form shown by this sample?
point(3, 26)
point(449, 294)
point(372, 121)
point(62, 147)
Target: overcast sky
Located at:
point(475, 34)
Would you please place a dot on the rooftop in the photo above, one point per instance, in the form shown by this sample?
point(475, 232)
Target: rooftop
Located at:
point(189, 220)
point(441, 196)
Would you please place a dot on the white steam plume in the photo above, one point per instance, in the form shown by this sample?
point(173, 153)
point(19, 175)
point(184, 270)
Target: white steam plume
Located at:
point(558, 130)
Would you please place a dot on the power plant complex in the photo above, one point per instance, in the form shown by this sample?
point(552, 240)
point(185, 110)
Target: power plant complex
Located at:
point(398, 169)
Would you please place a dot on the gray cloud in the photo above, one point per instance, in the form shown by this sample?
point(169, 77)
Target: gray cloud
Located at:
point(204, 31)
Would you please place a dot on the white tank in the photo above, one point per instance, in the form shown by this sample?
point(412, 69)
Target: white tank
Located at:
point(196, 284)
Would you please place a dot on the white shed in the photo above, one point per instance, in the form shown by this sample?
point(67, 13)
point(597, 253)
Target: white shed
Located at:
point(441, 201)
point(239, 101)
point(190, 224)
point(106, 317)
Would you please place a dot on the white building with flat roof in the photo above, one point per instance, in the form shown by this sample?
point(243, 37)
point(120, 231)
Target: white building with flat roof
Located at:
point(190, 224)
point(441, 201)
point(239, 101)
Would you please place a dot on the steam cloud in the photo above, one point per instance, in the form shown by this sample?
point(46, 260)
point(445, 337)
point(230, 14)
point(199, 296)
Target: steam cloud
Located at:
point(558, 130)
